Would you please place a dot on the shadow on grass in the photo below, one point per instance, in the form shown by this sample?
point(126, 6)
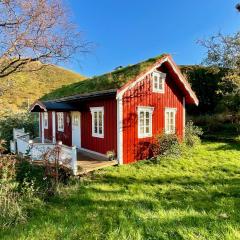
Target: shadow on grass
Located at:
point(112, 203)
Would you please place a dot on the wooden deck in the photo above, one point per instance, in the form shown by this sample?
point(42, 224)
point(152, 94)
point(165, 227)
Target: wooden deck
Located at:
point(87, 163)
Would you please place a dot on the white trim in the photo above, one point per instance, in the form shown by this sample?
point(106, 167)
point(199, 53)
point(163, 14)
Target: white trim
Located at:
point(79, 126)
point(43, 137)
point(150, 111)
point(38, 104)
point(60, 129)
point(160, 77)
point(120, 131)
point(165, 59)
point(93, 111)
point(45, 117)
point(121, 93)
point(54, 127)
point(39, 124)
point(170, 110)
point(93, 152)
point(184, 116)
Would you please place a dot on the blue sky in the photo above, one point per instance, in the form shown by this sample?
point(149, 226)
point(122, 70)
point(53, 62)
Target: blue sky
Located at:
point(128, 31)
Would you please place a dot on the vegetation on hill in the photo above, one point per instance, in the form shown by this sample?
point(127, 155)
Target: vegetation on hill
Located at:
point(22, 89)
point(206, 82)
point(111, 80)
point(195, 196)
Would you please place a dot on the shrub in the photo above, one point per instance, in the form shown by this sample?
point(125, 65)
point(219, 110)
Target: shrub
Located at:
point(166, 145)
point(11, 201)
point(192, 134)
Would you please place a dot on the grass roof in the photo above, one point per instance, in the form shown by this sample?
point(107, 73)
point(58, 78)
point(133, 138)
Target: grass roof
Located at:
point(111, 80)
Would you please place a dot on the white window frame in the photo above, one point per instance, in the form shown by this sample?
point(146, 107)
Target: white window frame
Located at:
point(167, 127)
point(150, 111)
point(93, 111)
point(45, 120)
point(161, 77)
point(60, 121)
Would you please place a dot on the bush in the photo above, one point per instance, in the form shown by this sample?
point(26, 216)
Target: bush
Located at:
point(20, 120)
point(13, 200)
point(192, 134)
point(166, 145)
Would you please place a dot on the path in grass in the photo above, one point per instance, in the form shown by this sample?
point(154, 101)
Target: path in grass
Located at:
point(194, 197)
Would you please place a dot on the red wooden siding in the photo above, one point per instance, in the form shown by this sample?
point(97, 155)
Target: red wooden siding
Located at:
point(109, 142)
point(48, 131)
point(141, 95)
point(66, 135)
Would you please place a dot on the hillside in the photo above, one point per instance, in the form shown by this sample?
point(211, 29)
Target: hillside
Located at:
point(24, 88)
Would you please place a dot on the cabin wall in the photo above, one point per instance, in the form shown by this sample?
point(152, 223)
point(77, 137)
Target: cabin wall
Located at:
point(66, 135)
point(109, 142)
point(47, 131)
point(141, 95)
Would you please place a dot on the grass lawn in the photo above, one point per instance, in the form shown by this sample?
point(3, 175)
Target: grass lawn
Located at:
point(194, 197)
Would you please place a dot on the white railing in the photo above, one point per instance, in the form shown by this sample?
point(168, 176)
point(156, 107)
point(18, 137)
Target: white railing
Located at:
point(13, 148)
point(38, 151)
point(18, 133)
point(22, 144)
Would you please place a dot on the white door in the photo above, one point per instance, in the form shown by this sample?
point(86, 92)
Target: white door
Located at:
point(76, 129)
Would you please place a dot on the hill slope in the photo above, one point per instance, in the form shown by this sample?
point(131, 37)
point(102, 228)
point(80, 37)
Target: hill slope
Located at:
point(24, 88)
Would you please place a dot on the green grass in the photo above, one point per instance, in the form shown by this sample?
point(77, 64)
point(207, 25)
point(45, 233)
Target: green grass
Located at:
point(111, 80)
point(26, 87)
point(196, 196)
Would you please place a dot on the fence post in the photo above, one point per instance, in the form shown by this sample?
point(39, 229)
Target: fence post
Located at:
point(74, 160)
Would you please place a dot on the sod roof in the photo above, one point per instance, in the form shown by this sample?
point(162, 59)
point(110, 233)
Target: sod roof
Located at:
point(112, 80)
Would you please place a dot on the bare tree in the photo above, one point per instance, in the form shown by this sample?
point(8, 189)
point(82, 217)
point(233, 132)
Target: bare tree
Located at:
point(36, 30)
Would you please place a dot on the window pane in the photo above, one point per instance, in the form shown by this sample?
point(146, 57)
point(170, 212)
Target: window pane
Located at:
point(141, 119)
point(155, 82)
point(100, 118)
point(95, 123)
point(161, 84)
point(147, 114)
point(147, 122)
point(141, 130)
point(100, 129)
point(147, 130)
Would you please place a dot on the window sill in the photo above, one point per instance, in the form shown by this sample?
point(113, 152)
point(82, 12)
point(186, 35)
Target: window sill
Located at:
point(98, 136)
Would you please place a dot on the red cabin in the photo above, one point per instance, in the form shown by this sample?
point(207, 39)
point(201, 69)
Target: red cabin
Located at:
point(121, 111)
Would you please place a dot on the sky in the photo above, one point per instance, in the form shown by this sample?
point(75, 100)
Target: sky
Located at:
point(125, 32)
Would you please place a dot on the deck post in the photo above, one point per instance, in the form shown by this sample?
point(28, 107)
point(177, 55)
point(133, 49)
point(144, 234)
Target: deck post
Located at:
point(54, 127)
point(74, 160)
point(42, 127)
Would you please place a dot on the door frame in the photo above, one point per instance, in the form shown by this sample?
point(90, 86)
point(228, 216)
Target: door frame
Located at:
point(80, 132)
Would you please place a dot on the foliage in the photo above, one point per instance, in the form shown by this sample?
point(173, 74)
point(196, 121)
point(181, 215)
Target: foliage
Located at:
point(19, 120)
point(13, 200)
point(224, 51)
point(206, 82)
point(112, 80)
point(22, 89)
point(217, 126)
point(193, 197)
point(192, 134)
point(166, 145)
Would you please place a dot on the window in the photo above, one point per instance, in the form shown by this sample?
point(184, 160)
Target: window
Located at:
point(97, 121)
point(170, 120)
point(145, 121)
point(60, 121)
point(158, 82)
point(45, 117)
point(75, 120)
